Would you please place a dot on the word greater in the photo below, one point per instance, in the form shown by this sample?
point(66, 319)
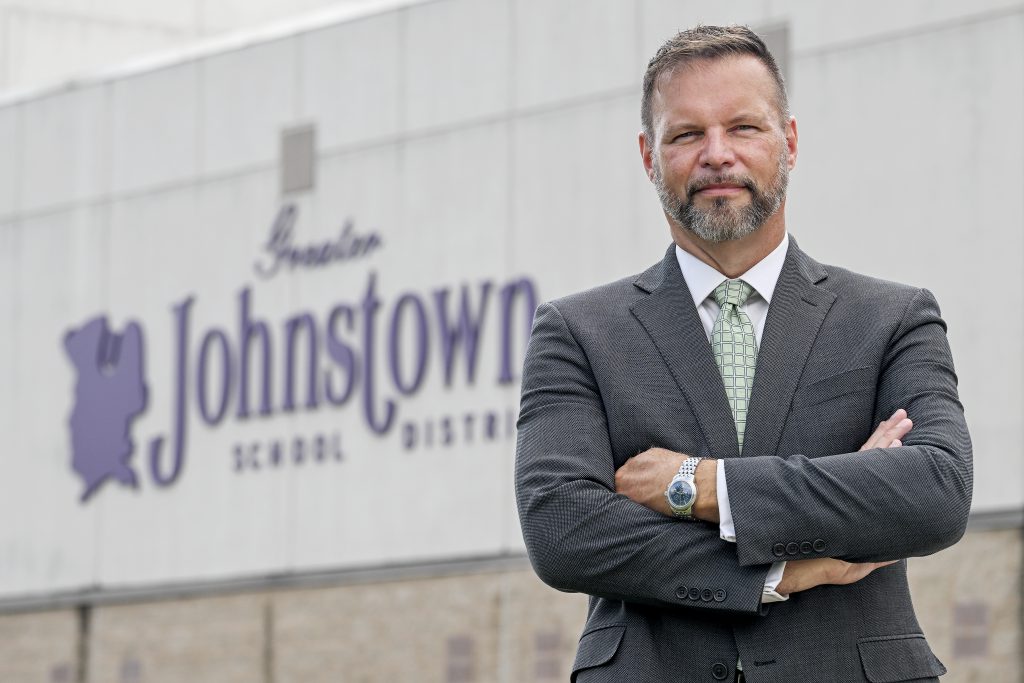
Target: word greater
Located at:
point(284, 253)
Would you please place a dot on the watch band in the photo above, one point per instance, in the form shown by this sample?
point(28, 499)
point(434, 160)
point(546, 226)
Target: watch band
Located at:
point(689, 467)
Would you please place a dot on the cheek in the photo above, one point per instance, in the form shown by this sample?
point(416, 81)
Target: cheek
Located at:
point(677, 170)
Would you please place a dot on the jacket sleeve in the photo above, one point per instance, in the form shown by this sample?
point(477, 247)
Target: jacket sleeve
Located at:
point(875, 505)
point(581, 536)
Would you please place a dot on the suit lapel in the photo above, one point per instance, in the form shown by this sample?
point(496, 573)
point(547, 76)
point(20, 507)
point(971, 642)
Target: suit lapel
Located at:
point(795, 315)
point(669, 316)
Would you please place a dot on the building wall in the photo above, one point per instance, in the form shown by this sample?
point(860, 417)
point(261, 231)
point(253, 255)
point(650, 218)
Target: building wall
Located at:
point(489, 624)
point(48, 42)
point(510, 150)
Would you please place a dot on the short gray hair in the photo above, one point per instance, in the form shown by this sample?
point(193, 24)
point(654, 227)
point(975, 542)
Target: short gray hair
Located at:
point(703, 43)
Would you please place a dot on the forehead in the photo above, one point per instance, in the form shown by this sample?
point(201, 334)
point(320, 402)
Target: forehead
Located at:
point(708, 89)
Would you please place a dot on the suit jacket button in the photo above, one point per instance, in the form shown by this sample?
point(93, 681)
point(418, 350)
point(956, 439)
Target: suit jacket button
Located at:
point(819, 545)
point(778, 550)
point(805, 548)
point(720, 595)
point(707, 594)
point(681, 592)
point(792, 549)
point(719, 671)
point(695, 594)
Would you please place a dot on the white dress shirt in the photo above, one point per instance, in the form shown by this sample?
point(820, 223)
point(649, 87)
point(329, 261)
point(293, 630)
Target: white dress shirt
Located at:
point(702, 279)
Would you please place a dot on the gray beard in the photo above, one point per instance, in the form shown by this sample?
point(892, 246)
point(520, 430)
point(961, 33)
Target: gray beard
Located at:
point(721, 222)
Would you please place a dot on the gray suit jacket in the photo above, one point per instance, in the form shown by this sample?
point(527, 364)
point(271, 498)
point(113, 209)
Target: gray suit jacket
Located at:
point(615, 370)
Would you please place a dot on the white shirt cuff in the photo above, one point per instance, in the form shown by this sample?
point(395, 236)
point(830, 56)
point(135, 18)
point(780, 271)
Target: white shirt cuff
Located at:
point(727, 531)
point(726, 528)
point(771, 582)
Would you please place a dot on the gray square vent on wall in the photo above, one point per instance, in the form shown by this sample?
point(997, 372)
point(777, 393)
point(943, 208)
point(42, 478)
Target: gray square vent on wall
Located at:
point(298, 158)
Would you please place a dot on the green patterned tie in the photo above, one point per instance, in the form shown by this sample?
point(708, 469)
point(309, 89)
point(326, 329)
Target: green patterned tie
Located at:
point(732, 340)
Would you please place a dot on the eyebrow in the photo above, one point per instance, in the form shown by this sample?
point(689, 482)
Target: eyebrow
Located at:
point(747, 116)
point(685, 124)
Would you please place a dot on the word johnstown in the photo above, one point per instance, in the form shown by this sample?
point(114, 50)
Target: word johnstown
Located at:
point(333, 359)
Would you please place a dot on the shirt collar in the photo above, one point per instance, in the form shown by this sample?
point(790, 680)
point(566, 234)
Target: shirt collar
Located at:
point(702, 279)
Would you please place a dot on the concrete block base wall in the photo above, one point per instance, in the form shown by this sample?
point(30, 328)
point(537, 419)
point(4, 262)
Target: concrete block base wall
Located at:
point(492, 625)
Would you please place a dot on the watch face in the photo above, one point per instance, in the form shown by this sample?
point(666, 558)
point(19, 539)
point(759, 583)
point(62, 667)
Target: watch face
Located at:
point(681, 494)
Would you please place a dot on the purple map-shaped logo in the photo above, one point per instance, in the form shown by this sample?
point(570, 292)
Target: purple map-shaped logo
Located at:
point(109, 393)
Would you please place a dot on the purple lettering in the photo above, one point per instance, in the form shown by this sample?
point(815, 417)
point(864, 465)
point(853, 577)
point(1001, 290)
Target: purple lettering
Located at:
point(181, 312)
point(293, 326)
point(202, 376)
point(408, 302)
point(248, 332)
point(446, 431)
point(465, 332)
point(370, 305)
point(280, 239)
point(282, 251)
point(523, 288)
point(342, 355)
point(409, 435)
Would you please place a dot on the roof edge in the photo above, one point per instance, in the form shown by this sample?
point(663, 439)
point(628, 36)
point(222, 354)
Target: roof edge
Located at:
point(208, 47)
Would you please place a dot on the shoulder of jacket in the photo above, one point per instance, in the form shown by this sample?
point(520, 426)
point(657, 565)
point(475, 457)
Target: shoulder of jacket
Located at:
point(849, 283)
point(606, 297)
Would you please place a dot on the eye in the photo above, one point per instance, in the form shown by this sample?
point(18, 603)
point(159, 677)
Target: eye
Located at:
point(685, 135)
point(745, 127)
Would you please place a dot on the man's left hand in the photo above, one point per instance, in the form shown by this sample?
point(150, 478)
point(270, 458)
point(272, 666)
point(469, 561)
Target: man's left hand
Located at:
point(645, 476)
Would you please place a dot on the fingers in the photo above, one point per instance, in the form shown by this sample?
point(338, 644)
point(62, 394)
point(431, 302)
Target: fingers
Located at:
point(890, 433)
point(854, 572)
point(874, 436)
point(801, 575)
point(896, 433)
point(643, 477)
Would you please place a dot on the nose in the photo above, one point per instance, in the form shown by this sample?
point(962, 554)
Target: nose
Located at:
point(717, 152)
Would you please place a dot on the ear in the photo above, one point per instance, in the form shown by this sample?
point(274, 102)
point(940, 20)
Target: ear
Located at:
point(791, 142)
point(646, 150)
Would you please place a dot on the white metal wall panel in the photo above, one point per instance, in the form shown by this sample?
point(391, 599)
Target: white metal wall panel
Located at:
point(50, 541)
point(917, 141)
point(825, 26)
point(66, 149)
point(573, 49)
point(456, 62)
point(248, 96)
point(352, 98)
point(474, 165)
point(570, 219)
point(10, 161)
point(156, 128)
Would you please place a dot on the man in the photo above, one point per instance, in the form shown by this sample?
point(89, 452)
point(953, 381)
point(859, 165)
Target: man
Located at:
point(720, 450)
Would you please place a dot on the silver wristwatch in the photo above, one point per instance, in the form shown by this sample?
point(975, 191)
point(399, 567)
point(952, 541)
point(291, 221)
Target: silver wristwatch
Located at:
point(681, 493)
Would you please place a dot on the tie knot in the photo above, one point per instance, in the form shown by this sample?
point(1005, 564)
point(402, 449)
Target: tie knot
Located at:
point(735, 292)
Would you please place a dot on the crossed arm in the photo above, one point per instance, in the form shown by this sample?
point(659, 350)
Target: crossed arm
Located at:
point(585, 533)
point(645, 477)
point(580, 534)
